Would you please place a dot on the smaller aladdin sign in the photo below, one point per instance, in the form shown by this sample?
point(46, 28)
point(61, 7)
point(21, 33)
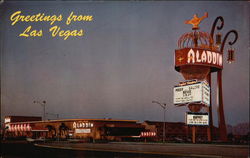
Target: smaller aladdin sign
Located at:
point(83, 124)
point(199, 119)
point(195, 56)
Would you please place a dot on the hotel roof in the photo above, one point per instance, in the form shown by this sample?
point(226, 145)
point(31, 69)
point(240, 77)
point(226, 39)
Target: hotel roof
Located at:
point(69, 120)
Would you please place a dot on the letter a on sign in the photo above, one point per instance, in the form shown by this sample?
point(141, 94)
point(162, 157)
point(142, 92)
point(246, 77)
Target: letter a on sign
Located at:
point(191, 56)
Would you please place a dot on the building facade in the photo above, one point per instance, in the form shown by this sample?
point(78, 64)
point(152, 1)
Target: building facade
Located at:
point(91, 130)
point(86, 129)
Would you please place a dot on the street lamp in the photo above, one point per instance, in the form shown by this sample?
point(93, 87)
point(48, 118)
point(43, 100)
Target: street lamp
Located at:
point(163, 105)
point(42, 103)
point(230, 59)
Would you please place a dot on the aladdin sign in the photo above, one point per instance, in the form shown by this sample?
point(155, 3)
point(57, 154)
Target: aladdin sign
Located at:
point(82, 124)
point(196, 56)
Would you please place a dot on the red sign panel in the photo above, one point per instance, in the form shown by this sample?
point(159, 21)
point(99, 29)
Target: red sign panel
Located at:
point(197, 56)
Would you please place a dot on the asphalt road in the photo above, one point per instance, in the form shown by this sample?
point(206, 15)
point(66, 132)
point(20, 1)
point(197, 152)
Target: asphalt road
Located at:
point(168, 149)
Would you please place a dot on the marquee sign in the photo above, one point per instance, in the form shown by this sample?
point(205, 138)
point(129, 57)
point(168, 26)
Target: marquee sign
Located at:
point(197, 56)
point(198, 92)
point(198, 119)
point(83, 130)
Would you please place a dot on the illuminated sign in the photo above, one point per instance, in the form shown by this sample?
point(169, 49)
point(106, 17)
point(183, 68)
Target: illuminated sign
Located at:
point(198, 92)
point(18, 127)
point(83, 130)
point(198, 119)
point(148, 134)
point(195, 56)
point(82, 124)
point(7, 120)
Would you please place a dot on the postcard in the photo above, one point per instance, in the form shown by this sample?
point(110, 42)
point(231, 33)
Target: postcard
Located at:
point(111, 77)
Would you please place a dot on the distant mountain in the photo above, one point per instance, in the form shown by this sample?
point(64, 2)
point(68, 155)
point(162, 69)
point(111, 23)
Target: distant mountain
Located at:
point(239, 129)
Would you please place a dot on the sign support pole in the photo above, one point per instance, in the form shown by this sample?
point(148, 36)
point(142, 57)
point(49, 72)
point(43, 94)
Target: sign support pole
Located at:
point(210, 126)
point(193, 134)
point(222, 123)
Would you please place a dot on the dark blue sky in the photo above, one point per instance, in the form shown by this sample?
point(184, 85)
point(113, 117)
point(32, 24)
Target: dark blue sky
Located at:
point(124, 61)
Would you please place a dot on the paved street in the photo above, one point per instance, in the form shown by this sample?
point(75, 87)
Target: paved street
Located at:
point(171, 149)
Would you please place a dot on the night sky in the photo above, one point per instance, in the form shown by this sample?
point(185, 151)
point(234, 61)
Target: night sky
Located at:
point(123, 62)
